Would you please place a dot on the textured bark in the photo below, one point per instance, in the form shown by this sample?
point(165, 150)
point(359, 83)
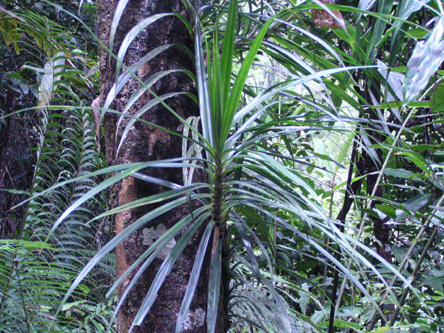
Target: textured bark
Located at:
point(146, 143)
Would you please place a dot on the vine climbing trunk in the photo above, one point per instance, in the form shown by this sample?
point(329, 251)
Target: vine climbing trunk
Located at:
point(148, 143)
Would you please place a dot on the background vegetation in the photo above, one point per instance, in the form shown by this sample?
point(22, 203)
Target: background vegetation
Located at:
point(320, 136)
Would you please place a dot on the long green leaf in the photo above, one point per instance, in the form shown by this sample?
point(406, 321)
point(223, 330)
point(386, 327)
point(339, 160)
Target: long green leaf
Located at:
point(166, 268)
point(194, 277)
point(214, 286)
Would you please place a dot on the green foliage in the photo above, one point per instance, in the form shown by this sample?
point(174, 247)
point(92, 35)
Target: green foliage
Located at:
point(324, 189)
point(36, 271)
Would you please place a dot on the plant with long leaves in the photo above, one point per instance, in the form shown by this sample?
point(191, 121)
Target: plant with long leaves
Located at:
point(376, 36)
point(35, 274)
point(247, 186)
point(261, 206)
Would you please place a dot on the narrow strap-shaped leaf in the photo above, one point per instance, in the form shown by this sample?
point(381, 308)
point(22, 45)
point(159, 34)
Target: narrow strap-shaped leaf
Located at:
point(228, 49)
point(202, 88)
point(194, 277)
point(261, 98)
point(241, 78)
point(218, 103)
point(405, 9)
point(111, 245)
point(156, 198)
point(247, 245)
point(166, 237)
point(165, 269)
point(366, 4)
point(152, 252)
point(130, 72)
point(214, 285)
point(384, 7)
point(95, 190)
point(341, 238)
point(115, 168)
point(148, 84)
point(148, 106)
point(115, 22)
point(134, 32)
point(155, 180)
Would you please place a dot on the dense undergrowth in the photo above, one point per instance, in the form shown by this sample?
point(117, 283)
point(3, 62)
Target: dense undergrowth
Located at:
point(323, 166)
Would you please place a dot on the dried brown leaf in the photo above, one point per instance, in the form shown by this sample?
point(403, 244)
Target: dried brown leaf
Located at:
point(324, 19)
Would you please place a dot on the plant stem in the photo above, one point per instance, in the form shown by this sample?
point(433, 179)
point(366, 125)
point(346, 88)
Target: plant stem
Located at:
point(369, 203)
point(351, 190)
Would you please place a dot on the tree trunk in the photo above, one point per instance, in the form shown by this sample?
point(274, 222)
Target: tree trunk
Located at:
point(146, 143)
